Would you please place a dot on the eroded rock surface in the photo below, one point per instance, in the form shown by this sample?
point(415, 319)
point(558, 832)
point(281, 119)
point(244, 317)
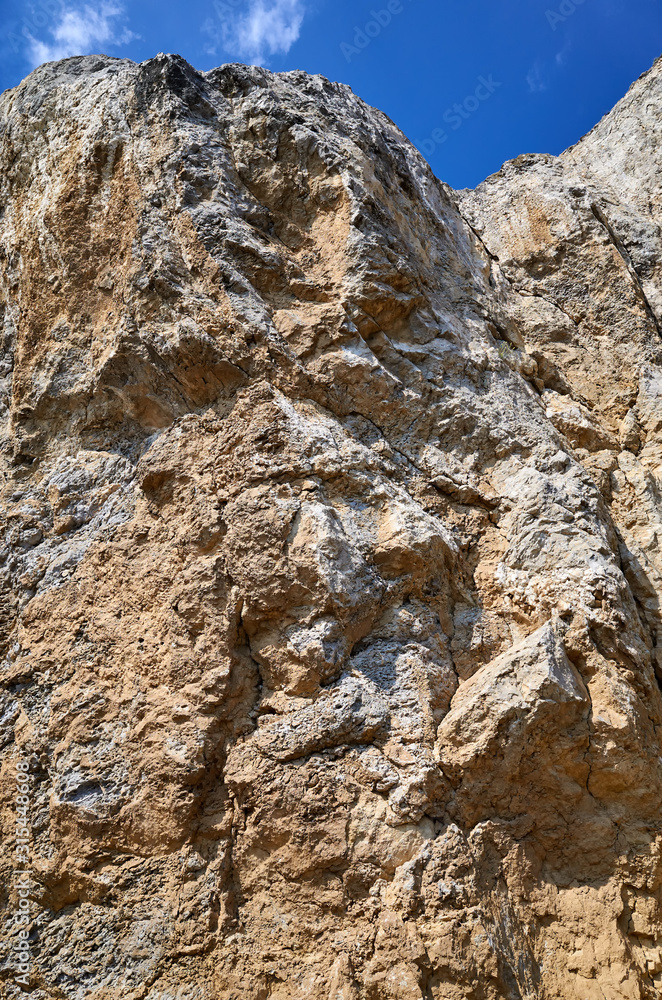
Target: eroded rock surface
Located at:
point(331, 566)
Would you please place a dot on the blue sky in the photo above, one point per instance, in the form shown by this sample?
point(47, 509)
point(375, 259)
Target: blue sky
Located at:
point(471, 82)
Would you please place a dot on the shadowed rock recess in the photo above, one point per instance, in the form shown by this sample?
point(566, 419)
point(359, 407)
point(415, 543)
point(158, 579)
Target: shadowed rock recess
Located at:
point(332, 547)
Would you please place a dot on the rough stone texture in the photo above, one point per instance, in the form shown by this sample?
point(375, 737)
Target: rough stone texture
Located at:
point(332, 511)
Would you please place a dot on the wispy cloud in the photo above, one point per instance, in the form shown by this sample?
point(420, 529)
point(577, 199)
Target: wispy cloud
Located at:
point(77, 31)
point(261, 29)
point(561, 56)
point(536, 78)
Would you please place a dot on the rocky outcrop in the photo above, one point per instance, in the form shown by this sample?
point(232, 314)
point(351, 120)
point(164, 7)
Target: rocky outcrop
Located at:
point(331, 574)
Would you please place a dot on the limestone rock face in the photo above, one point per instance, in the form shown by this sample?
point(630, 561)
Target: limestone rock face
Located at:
point(331, 560)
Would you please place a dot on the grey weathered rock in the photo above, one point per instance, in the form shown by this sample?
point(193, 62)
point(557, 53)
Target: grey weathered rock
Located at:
point(331, 574)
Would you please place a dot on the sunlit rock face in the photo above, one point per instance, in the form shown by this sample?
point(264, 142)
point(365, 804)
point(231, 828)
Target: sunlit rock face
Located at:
point(332, 548)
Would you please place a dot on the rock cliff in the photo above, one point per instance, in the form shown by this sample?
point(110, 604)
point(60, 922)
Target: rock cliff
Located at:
point(331, 559)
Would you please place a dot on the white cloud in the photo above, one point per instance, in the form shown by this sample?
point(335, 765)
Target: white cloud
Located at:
point(561, 56)
point(537, 78)
point(77, 31)
point(263, 28)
